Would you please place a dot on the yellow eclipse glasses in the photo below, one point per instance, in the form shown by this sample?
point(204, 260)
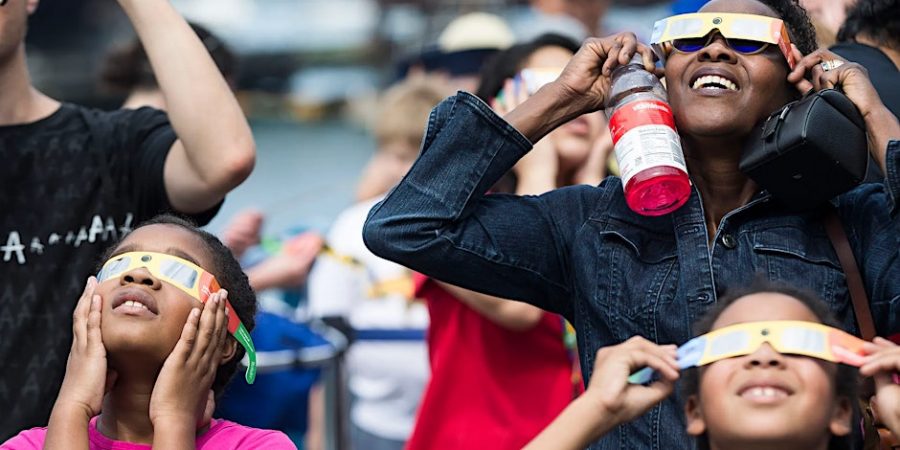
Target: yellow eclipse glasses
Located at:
point(787, 337)
point(188, 277)
point(744, 33)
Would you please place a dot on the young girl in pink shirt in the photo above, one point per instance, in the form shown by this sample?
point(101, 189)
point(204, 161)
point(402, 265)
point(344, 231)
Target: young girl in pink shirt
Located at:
point(155, 340)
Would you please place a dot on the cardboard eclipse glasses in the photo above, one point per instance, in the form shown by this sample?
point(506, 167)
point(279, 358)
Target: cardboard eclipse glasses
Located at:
point(744, 33)
point(787, 337)
point(188, 277)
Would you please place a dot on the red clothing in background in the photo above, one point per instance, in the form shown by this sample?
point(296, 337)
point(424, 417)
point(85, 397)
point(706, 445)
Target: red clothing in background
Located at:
point(490, 388)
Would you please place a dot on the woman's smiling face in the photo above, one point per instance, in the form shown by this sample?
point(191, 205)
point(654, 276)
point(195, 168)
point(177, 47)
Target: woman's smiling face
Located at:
point(143, 315)
point(759, 80)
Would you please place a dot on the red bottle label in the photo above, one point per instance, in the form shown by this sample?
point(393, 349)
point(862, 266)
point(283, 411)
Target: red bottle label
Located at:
point(644, 136)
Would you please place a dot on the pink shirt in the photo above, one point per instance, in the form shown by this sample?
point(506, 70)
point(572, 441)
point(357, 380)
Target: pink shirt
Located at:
point(222, 434)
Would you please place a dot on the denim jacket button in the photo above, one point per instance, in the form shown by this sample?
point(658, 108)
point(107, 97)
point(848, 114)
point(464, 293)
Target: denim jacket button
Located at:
point(729, 241)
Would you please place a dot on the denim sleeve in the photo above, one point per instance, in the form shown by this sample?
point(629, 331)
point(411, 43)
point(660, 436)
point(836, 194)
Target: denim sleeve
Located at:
point(439, 221)
point(872, 222)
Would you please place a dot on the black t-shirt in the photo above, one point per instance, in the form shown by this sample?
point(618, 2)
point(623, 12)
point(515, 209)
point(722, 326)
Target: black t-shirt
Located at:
point(73, 184)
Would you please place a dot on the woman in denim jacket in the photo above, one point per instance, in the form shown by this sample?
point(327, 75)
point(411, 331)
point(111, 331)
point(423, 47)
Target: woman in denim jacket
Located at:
point(581, 252)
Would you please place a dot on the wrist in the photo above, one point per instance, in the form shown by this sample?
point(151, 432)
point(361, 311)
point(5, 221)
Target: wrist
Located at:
point(541, 113)
point(71, 410)
point(174, 433)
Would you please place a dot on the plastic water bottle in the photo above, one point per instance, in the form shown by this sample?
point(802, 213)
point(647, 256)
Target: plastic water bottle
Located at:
point(647, 146)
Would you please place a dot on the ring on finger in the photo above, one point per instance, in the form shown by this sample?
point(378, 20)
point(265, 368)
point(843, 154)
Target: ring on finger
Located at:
point(831, 64)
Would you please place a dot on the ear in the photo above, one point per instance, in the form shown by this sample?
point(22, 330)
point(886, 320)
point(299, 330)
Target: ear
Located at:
point(228, 350)
point(32, 6)
point(841, 417)
point(696, 425)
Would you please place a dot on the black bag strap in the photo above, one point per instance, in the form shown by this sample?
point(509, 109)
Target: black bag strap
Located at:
point(858, 297)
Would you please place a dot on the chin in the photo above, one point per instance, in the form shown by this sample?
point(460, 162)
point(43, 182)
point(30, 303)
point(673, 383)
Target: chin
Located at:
point(715, 126)
point(135, 342)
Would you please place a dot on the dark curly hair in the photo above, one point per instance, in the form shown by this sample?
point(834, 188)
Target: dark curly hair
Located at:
point(228, 273)
point(875, 19)
point(800, 28)
point(127, 68)
point(846, 382)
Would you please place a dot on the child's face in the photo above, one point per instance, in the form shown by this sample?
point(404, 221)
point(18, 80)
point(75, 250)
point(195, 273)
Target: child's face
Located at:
point(149, 332)
point(766, 396)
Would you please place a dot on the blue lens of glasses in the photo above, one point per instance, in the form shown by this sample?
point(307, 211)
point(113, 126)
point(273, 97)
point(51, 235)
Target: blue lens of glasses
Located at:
point(746, 45)
point(691, 45)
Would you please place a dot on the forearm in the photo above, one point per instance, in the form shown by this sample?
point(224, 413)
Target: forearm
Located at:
point(218, 145)
point(580, 424)
point(174, 435)
point(881, 127)
point(68, 428)
point(541, 113)
point(510, 314)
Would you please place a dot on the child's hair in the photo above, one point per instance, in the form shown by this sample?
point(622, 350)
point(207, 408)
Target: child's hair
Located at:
point(231, 277)
point(846, 382)
point(404, 109)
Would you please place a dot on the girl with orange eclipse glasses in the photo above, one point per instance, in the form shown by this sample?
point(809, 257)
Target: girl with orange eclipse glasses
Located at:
point(767, 370)
point(157, 335)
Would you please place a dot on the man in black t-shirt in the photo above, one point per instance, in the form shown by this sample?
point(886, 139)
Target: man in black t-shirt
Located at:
point(76, 179)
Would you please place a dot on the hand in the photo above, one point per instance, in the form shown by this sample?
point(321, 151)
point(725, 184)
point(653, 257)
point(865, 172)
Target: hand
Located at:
point(290, 267)
point(87, 377)
point(851, 78)
point(584, 82)
point(883, 364)
point(243, 231)
point(609, 388)
point(181, 393)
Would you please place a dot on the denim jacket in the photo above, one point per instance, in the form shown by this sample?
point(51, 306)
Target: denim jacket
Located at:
point(581, 252)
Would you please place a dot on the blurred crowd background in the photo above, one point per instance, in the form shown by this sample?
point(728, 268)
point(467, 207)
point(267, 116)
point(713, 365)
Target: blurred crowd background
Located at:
point(308, 73)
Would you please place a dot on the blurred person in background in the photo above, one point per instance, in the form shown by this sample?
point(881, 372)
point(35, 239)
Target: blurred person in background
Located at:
point(127, 71)
point(827, 17)
point(870, 36)
point(352, 289)
point(78, 179)
point(461, 50)
point(502, 370)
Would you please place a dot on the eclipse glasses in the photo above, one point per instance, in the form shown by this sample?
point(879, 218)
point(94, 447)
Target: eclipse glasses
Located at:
point(191, 279)
point(787, 337)
point(744, 33)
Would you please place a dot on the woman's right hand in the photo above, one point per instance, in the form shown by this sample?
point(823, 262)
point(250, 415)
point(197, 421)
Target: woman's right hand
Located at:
point(584, 83)
point(87, 378)
point(620, 401)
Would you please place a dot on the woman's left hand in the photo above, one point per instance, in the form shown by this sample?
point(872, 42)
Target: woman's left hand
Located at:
point(181, 392)
point(853, 79)
point(883, 364)
point(850, 77)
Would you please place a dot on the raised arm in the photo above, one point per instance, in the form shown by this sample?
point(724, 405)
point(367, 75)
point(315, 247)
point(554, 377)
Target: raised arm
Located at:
point(215, 150)
point(610, 400)
point(438, 220)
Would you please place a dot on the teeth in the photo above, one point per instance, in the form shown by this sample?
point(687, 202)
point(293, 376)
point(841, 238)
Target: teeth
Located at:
point(765, 392)
point(714, 82)
point(134, 304)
